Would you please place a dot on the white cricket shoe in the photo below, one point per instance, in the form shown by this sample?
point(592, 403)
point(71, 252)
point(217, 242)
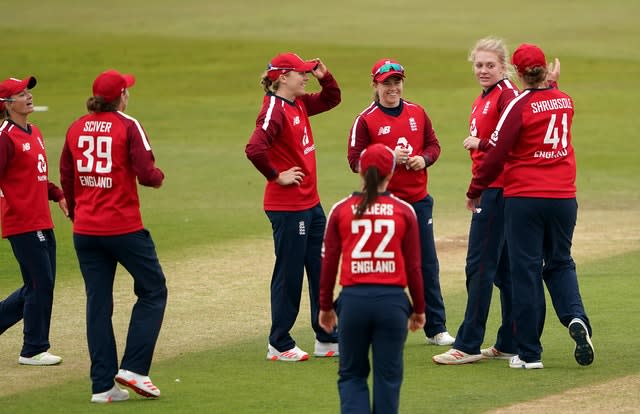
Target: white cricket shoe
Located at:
point(441, 339)
point(113, 395)
point(516, 362)
point(456, 357)
point(43, 358)
point(140, 384)
point(493, 353)
point(292, 355)
point(326, 349)
point(583, 352)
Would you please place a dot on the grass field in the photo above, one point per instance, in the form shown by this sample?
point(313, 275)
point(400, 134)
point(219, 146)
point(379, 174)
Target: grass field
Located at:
point(197, 95)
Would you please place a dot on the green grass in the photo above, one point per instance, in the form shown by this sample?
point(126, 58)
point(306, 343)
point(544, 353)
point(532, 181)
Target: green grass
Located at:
point(235, 379)
point(197, 95)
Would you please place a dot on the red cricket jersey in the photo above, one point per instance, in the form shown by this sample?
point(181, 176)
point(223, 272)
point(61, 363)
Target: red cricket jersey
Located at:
point(485, 114)
point(411, 129)
point(380, 247)
point(103, 154)
point(533, 142)
point(25, 189)
point(283, 139)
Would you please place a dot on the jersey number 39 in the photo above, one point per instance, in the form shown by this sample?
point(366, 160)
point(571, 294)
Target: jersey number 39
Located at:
point(96, 154)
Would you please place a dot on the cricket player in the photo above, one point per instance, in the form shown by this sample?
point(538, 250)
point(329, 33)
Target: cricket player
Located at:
point(487, 260)
point(405, 127)
point(105, 151)
point(532, 141)
point(282, 148)
point(25, 191)
point(377, 237)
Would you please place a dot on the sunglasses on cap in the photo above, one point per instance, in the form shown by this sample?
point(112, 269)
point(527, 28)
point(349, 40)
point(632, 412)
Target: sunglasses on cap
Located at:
point(7, 100)
point(271, 67)
point(388, 67)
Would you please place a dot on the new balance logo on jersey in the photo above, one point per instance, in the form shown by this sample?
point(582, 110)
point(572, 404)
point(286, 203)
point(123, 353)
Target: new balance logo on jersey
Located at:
point(41, 143)
point(296, 120)
point(301, 229)
point(26, 147)
point(412, 124)
point(384, 130)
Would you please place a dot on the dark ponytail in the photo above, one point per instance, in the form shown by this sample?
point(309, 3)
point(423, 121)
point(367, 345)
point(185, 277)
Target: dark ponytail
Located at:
point(372, 181)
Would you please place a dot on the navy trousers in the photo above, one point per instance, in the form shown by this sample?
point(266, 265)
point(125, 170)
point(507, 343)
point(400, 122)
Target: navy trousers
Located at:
point(436, 318)
point(297, 237)
point(98, 257)
point(36, 255)
point(371, 316)
point(539, 232)
point(487, 264)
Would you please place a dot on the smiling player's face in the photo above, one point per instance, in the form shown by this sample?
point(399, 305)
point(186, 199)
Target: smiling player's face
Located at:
point(292, 84)
point(390, 91)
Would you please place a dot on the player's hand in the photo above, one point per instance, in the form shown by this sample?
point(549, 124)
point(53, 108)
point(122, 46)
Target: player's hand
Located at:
point(328, 320)
point(320, 70)
point(471, 143)
point(553, 73)
point(402, 155)
point(293, 175)
point(63, 206)
point(473, 205)
point(417, 321)
point(417, 163)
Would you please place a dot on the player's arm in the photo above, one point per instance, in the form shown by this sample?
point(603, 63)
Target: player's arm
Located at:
point(329, 97)
point(431, 151)
point(331, 249)
point(502, 140)
point(553, 73)
point(142, 159)
point(507, 95)
point(67, 178)
point(257, 152)
point(56, 194)
point(413, 262)
point(269, 124)
point(359, 139)
point(6, 153)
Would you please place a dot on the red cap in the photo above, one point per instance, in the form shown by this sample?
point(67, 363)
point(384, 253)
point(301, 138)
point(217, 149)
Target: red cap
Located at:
point(12, 86)
point(528, 56)
point(379, 156)
point(385, 68)
point(286, 62)
point(110, 84)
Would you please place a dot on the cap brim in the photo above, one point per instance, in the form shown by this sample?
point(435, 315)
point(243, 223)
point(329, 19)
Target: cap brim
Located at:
point(307, 66)
point(383, 76)
point(31, 82)
point(130, 79)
